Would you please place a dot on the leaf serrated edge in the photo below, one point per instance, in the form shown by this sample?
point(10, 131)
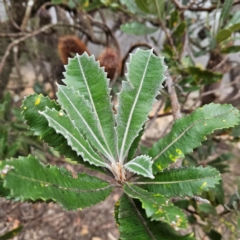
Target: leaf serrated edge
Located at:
point(69, 142)
point(111, 157)
point(216, 176)
point(150, 199)
point(196, 122)
point(22, 112)
point(121, 155)
point(148, 171)
point(22, 198)
point(83, 119)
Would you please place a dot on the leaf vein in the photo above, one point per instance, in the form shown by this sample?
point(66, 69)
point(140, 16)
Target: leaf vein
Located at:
point(95, 111)
point(121, 155)
point(175, 140)
point(86, 124)
point(67, 132)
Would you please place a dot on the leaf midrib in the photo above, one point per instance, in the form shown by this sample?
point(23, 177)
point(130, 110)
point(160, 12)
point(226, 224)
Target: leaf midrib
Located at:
point(138, 165)
point(111, 158)
point(141, 218)
point(171, 182)
point(76, 190)
point(88, 127)
point(150, 198)
point(97, 160)
point(176, 139)
point(121, 155)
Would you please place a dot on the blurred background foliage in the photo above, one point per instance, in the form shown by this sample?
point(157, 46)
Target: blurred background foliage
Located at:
point(200, 41)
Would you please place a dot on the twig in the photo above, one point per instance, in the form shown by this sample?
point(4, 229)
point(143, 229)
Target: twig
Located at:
point(65, 6)
point(17, 41)
point(155, 114)
point(15, 56)
point(41, 30)
point(187, 111)
point(27, 14)
point(19, 34)
point(221, 63)
point(169, 125)
point(106, 30)
point(173, 98)
point(10, 16)
point(199, 199)
point(176, 109)
point(131, 49)
point(170, 40)
point(201, 94)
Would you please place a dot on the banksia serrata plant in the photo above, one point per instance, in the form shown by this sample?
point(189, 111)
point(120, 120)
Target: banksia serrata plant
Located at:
point(68, 46)
point(111, 61)
point(81, 125)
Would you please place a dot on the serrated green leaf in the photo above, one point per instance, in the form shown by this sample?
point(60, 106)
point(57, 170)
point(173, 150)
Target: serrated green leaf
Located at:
point(133, 224)
point(223, 35)
point(137, 28)
point(85, 75)
point(141, 165)
point(31, 180)
point(145, 77)
point(182, 182)
point(188, 132)
point(39, 125)
point(225, 11)
point(81, 112)
point(62, 124)
point(157, 206)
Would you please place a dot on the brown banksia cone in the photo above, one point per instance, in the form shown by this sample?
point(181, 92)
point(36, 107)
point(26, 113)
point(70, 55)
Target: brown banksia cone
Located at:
point(110, 59)
point(68, 46)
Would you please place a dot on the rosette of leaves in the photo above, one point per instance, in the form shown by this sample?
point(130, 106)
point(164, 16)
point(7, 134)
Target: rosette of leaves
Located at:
point(81, 125)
